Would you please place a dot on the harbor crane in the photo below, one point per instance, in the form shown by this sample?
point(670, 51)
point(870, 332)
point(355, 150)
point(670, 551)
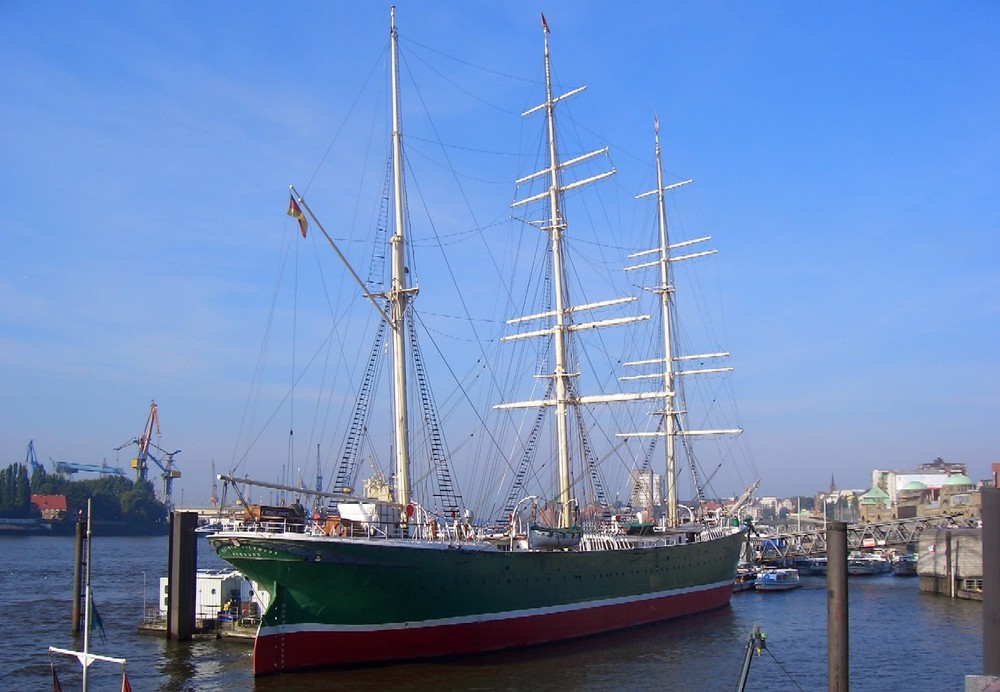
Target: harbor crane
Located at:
point(141, 462)
point(67, 467)
point(31, 460)
point(71, 468)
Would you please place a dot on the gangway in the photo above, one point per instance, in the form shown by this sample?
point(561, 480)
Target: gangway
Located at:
point(881, 534)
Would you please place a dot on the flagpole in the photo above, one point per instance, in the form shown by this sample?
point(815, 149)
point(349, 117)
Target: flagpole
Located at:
point(86, 611)
point(350, 269)
point(85, 657)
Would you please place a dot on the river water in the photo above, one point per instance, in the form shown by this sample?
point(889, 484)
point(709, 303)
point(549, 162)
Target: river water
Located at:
point(900, 638)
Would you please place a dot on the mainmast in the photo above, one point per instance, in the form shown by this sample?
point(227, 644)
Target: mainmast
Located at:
point(399, 294)
point(555, 225)
point(555, 229)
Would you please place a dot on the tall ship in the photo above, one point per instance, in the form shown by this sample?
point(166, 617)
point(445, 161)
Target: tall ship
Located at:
point(384, 575)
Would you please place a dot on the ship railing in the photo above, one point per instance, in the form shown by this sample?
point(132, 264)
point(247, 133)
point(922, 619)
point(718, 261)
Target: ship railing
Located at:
point(602, 541)
point(277, 526)
point(430, 527)
point(717, 532)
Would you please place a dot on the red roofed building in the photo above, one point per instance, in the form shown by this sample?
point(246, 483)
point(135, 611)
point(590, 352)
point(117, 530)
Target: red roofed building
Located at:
point(52, 507)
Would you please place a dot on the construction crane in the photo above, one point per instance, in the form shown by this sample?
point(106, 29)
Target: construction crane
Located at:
point(141, 462)
point(32, 460)
point(67, 467)
point(71, 468)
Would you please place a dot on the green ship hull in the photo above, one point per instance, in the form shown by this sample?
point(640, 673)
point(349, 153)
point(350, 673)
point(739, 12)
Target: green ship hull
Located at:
point(342, 601)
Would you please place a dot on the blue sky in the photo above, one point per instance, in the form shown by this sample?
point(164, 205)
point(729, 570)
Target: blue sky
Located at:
point(846, 159)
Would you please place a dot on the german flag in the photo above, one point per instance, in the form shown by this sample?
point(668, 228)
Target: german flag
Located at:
point(296, 213)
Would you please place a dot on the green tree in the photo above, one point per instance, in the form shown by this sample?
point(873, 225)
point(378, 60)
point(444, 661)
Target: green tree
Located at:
point(140, 506)
point(15, 492)
point(23, 491)
point(6, 492)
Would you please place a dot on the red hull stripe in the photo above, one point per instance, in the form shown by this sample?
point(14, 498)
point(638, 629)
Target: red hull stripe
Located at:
point(298, 647)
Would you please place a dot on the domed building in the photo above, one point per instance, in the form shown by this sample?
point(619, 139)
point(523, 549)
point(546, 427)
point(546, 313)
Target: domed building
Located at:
point(959, 496)
point(959, 481)
point(912, 495)
point(876, 505)
point(933, 489)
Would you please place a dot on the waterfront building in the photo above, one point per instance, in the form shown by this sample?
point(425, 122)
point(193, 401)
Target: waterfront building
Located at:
point(838, 505)
point(51, 507)
point(932, 474)
point(875, 505)
point(932, 489)
point(647, 490)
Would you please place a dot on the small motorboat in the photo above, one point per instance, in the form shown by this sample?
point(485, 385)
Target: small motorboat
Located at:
point(777, 579)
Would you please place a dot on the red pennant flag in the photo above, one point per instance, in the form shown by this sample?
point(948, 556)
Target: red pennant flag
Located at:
point(296, 213)
point(125, 686)
point(545, 24)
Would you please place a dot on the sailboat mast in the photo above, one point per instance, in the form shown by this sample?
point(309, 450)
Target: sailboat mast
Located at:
point(399, 294)
point(665, 292)
point(555, 229)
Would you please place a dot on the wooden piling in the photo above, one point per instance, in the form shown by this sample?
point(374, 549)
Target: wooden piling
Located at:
point(182, 568)
point(837, 648)
point(77, 573)
point(991, 581)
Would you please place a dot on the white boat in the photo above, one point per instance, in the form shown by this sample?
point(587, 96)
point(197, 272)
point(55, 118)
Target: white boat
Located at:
point(811, 566)
point(208, 528)
point(867, 564)
point(778, 579)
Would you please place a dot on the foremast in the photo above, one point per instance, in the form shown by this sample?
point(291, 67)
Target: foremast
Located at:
point(399, 294)
point(565, 396)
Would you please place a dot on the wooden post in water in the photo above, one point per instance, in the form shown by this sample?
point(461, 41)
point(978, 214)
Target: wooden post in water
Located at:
point(77, 572)
point(837, 649)
point(991, 581)
point(949, 570)
point(182, 577)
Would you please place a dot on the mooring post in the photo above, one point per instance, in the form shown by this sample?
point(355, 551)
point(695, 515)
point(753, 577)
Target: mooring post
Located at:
point(949, 571)
point(991, 581)
point(182, 568)
point(77, 572)
point(837, 648)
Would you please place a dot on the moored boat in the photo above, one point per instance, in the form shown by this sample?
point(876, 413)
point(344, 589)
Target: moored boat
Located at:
point(867, 564)
point(746, 577)
point(904, 565)
point(383, 578)
point(810, 566)
point(778, 579)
